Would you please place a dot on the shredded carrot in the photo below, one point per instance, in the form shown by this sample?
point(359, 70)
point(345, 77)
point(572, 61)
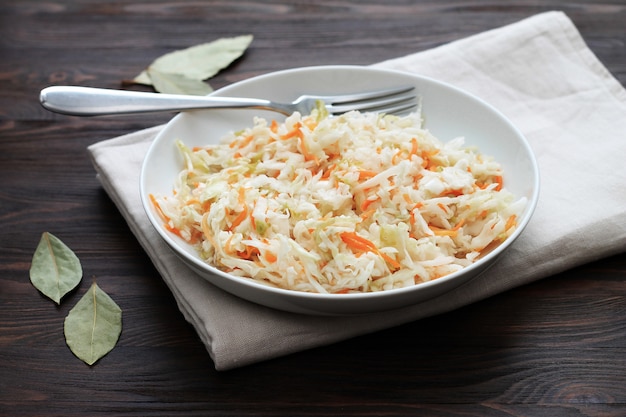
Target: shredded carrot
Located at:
point(242, 142)
point(368, 202)
point(440, 231)
point(297, 132)
point(308, 156)
point(358, 242)
point(193, 238)
point(414, 146)
point(365, 175)
point(252, 219)
point(362, 244)
point(241, 195)
point(292, 133)
point(207, 231)
point(249, 252)
point(274, 126)
point(426, 158)
point(328, 171)
point(390, 260)
point(245, 141)
point(156, 205)
point(454, 192)
point(174, 230)
point(499, 181)
point(192, 202)
point(512, 220)
point(415, 207)
point(396, 158)
point(447, 232)
point(244, 213)
point(196, 236)
point(270, 257)
point(227, 247)
point(240, 218)
point(367, 213)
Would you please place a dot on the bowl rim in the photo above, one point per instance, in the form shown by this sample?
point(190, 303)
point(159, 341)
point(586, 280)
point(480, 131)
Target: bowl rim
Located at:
point(198, 263)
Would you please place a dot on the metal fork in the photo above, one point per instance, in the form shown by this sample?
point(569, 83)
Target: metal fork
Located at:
point(87, 101)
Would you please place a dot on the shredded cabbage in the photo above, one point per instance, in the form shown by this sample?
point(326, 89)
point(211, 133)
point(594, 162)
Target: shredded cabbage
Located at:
point(355, 203)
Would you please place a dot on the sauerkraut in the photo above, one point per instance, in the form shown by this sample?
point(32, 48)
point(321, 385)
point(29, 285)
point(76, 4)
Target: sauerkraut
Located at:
point(360, 202)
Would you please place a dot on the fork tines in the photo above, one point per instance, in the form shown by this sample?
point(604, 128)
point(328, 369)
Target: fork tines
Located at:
point(392, 101)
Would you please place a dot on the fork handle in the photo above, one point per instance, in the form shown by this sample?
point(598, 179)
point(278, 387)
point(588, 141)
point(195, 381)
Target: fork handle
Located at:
point(88, 101)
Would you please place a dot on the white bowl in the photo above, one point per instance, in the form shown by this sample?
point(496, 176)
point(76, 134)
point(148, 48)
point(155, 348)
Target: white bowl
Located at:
point(448, 113)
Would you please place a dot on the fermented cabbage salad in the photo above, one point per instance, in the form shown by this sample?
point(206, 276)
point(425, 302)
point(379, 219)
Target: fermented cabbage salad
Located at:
point(360, 202)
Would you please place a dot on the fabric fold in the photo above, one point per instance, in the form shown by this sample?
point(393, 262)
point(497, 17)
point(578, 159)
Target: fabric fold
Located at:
point(540, 73)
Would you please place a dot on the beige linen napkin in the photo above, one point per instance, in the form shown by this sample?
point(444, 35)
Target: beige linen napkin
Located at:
point(540, 73)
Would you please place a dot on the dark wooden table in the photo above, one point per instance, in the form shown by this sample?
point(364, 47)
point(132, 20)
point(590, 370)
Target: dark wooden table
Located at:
point(556, 347)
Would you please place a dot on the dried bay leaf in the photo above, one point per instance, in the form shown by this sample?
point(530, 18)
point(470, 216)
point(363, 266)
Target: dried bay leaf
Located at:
point(55, 269)
point(164, 82)
point(142, 78)
point(93, 327)
point(199, 62)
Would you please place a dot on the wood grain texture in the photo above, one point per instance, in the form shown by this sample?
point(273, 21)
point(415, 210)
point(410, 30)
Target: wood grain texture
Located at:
point(553, 348)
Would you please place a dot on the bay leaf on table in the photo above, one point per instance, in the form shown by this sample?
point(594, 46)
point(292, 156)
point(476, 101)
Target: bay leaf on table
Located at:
point(55, 269)
point(164, 82)
point(199, 62)
point(93, 327)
